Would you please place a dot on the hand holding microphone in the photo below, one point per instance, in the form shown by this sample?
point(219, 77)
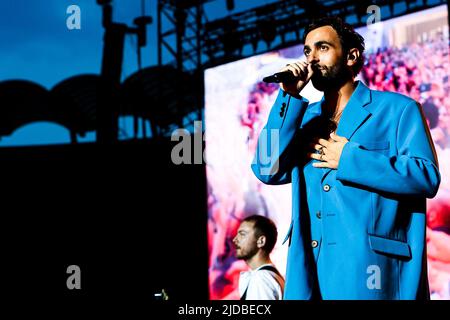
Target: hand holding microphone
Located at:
point(293, 78)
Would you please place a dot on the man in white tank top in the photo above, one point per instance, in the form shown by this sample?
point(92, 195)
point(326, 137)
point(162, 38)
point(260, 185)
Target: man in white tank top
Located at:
point(254, 242)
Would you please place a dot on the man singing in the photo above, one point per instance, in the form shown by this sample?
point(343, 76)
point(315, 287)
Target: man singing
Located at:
point(361, 164)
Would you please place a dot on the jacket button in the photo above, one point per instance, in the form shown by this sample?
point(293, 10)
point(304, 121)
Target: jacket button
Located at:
point(326, 188)
point(314, 243)
point(281, 113)
point(318, 215)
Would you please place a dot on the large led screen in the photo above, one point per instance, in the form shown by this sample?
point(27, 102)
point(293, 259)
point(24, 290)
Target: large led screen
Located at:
point(412, 59)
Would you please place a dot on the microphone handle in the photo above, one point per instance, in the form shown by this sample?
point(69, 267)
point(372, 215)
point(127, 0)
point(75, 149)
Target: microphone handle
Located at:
point(285, 77)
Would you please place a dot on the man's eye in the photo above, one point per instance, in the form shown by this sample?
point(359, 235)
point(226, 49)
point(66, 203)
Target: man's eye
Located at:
point(306, 52)
point(323, 48)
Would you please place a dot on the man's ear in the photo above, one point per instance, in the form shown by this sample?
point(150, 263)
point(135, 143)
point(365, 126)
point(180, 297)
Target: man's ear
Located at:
point(352, 57)
point(261, 241)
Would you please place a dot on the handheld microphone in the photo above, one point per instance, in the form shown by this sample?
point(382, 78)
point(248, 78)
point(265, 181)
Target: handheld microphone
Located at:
point(285, 77)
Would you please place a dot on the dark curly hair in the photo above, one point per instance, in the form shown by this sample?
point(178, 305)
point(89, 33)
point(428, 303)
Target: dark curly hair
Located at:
point(348, 36)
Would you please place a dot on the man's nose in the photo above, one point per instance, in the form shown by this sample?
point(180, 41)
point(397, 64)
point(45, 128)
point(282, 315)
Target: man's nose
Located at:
point(312, 60)
point(312, 57)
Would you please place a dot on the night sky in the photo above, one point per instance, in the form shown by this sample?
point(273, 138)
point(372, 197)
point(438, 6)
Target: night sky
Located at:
point(36, 45)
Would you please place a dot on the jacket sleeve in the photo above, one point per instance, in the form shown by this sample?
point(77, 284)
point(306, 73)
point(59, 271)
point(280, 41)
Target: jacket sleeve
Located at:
point(271, 161)
point(412, 171)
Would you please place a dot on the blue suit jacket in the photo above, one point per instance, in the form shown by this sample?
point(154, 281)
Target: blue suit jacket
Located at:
point(371, 224)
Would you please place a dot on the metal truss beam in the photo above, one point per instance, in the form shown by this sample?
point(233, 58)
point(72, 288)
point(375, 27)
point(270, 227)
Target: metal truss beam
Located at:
point(192, 42)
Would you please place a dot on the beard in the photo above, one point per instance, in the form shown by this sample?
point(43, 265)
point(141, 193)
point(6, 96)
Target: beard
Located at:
point(246, 254)
point(329, 78)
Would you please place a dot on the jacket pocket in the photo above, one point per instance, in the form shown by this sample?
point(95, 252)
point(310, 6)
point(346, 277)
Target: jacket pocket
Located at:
point(289, 233)
point(389, 246)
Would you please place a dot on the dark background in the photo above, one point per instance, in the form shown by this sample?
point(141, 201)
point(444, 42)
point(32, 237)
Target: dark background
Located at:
point(130, 219)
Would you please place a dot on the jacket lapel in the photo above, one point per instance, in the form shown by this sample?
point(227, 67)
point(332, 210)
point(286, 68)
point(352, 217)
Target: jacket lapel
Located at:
point(354, 114)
